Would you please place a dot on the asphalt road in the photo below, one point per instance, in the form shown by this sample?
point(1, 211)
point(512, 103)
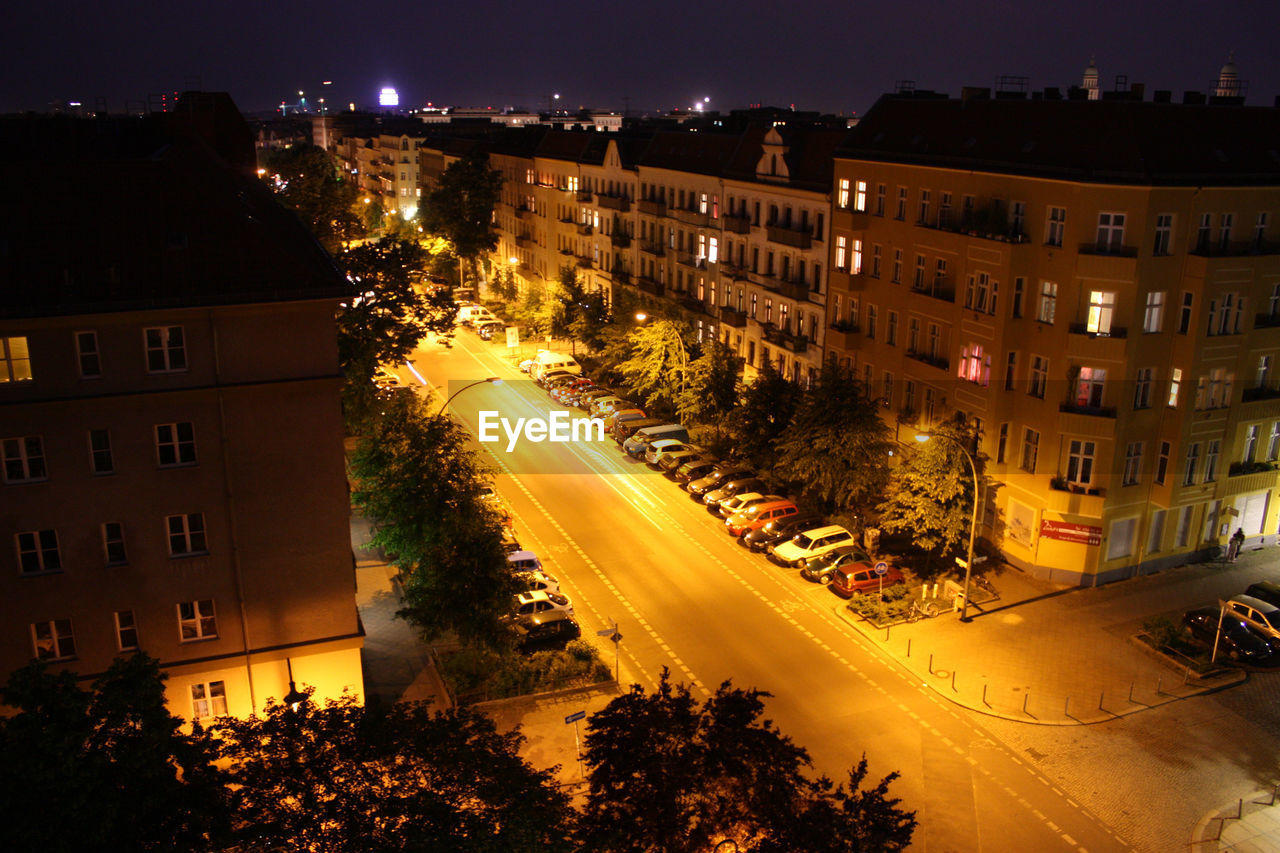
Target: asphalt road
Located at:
point(632, 547)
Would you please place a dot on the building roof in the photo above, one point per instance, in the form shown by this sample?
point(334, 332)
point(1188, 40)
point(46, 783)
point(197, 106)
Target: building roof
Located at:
point(122, 214)
point(682, 151)
point(1115, 142)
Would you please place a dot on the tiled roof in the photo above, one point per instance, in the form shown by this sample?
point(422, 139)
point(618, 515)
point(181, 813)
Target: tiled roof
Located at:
point(682, 151)
point(1093, 141)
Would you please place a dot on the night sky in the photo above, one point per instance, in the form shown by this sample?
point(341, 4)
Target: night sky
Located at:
point(653, 54)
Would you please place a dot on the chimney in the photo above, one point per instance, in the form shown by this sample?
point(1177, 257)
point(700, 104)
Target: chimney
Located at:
point(1193, 97)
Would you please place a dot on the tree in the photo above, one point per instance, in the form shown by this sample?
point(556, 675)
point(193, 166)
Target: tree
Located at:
point(836, 446)
point(460, 207)
point(387, 318)
point(930, 494)
point(107, 769)
point(307, 181)
point(580, 315)
point(658, 367)
point(343, 777)
point(712, 388)
point(665, 773)
point(764, 413)
point(421, 485)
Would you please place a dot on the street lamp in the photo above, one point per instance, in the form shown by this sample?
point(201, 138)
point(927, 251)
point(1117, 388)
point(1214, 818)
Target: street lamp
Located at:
point(973, 524)
point(295, 697)
point(494, 379)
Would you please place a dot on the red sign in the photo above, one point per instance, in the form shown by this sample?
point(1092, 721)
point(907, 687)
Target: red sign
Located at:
point(1081, 534)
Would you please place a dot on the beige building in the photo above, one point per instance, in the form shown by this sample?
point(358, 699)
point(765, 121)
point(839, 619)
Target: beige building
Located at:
point(1095, 284)
point(170, 426)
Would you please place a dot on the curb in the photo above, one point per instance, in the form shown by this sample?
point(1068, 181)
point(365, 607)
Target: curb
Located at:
point(862, 626)
point(1202, 842)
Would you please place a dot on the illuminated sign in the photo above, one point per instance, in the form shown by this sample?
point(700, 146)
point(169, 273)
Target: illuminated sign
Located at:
point(389, 97)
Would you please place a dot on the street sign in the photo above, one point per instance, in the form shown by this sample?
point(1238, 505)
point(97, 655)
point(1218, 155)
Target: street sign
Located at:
point(513, 337)
point(882, 568)
point(607, 632)
point(574, 717)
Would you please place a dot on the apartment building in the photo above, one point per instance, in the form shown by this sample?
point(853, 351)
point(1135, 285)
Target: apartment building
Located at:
point(170, 425)
point(1096, 285)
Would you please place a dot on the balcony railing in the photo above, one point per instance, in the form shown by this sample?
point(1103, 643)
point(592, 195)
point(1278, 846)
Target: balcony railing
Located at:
point(1107, 251)
point(653, 207)
point(988, 221)
point(783, 338)
point(693, 303)
point(687, 259)
point(1095, 411)
point(1260, 393)
point(1240, 469)
point(585, 228)
point(1061, 484)
point(654, 249)
point(737, 224)
point(1111, 332)
point(584, 262)
point(1236, 249)
point(937, 288)
point(733, 317)
point(621, 239)
point(650, 286)
point(690, 217)
point(584, 196)
point(794, 237)
point(938, 361)
point(614, 202)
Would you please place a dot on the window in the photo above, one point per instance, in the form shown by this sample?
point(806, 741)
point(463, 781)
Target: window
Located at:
point(1164, 234)
point(1017, 218)
point(113, 543)
point(918, 283)
point(1123, 533)
point(196, 620)
point(1110, 232)
point(53, 640)
point(1101, 307)
point(975, 366)
point(1080, 463)
point(897, 266)
point(1030, 449)
point(872, 316)
point(1055, 225)
point(100, 451)
point(38, 552)
point(126, 631)
point(979, 292)
point(887, 389)
point(186, 534)
point(880, 188)
point(1039, 376)
point(175, 444)
point(1193, 462)
point(208, 699)
point(913, 335)
point(1175, 382)
point(1018, 286)
point(1048, 302)
point(842, 252)
point(1273, 442)
point(1142, 388)
point(1184, 315)
point(1251, 441)
point(1153, 317)
point(1260, 231)
point(902, 204)
point(842, 197)
point(15, 360)
point(875, 261)
point(860, 197)
point(24, 459)
point(1224, 314)
point(891, 330)
point(166, 349)
point(1211, 510)
point(1264, 371)
point(89, 357)
point(1132, 463)
point(935, 341)
point(1010, 370)
point(1162, 463)
point(1182, 533)
point(1002, 443)
point(909, 395)
point(1089, 387)
point(1202, 233)
point(925, 199)
point(1211, 454)
point(1224, 232)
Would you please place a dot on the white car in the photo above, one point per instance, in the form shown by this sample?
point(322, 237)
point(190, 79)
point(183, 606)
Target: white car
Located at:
point(657, 449)
point(540, 601)
point(811, 543)
point(524, 561)
point(525, 365)
point(539, 581)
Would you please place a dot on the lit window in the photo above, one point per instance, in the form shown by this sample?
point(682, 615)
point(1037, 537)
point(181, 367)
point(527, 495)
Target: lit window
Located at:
point(1101, 307)
point(1089, 387)
point(860, 197)
point(842, 198)
point(975, 366)
point(209, 699)
point(15, 360)
point(53, 640)
point(196, 620)
point(1153, 317)
point(1175, 382)
point(1048, 302)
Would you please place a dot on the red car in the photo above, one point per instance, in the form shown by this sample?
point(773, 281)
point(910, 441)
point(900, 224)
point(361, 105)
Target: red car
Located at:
point(858, 578)
point(758, 516)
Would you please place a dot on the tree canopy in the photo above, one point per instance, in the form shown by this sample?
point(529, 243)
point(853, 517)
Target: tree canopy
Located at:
point(306, 180)
point(668, 773)
point(767, 406)
point(460, 207)
point(712, 388)
point(105, 769)
point(658, 366)
point(420, 483)
point(343, 777)
point(836, 446)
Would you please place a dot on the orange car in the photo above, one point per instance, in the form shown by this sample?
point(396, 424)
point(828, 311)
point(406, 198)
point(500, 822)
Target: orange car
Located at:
point(758, 516)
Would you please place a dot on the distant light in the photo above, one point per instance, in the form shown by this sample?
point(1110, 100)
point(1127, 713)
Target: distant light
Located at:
point(327, 83)
point(389, 97)
point(513, 260)
point(74, 104)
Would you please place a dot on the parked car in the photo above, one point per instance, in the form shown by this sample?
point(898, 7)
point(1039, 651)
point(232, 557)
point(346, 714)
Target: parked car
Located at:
point(780, 530)
point(622, 430)
point(385, 377)
point(694, 469)
point(540, 601)
point(546, 361)
point(1237, 641)
point(669, 463)
point(571, 397)
point(487, 331)
point(810, 543)
point(524, 561)
point(716, 478)
point(1265, 617)
point(744, 501)
point(640, 440)
point(550, 630)
point(584, 399)
point(856, 578)
point(660, 447)
point(601, 406)
point(545, 380)
point(525, 365)
point(558, 390)
point(538, 581)
point(729, 488)
point(820, 568)
point(758, 516)
point(1265, 591)
point(618, 416)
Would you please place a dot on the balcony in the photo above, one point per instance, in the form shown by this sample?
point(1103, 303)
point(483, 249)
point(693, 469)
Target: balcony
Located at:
point(654, 249)
point(652, 207)
point(524, 241)
point(692, 304)
point(620, 274)
point(1260, 404)
point(584, 262)
point(650, 286)
point(783, 338)
point(1111, 332)
point(796, 290)
point(733, 318)
point(943, 289)
point(687, 259)
point(690, 217)
point(620, 239)
point(843, 336)
point(1088, 503)
point(986, 221)
point(585, 228)
point(1119, 263)
point(1092, 411)
point(737, 224)
point(584, 197)
point(848, 219)
point(522, 212)
point(937, 361)
point(733, 271)
point(1247, 477)
point(1243, 249)
point(619, 203)
point(794, 237)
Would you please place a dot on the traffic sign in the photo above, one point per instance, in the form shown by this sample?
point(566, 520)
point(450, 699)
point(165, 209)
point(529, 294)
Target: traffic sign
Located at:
point(513, 337)
point(607, 632)
point(574, 717)
point(882, 568)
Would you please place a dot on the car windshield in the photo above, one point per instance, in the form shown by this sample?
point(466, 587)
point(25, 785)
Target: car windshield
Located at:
point(803, 542)
point(557, 598)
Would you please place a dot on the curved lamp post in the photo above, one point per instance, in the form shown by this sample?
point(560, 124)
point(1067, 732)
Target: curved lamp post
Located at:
point(973, 524)
point(494, 379)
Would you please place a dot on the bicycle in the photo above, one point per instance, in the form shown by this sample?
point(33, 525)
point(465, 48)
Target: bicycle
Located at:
point(919, 611)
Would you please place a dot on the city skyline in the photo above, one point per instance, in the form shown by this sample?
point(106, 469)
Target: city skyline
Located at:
point(823, 56)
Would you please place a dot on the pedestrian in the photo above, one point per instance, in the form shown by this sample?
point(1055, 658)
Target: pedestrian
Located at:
point(1233, 549)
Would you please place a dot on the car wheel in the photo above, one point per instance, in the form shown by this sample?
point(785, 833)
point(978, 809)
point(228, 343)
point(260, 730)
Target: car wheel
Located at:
point(825, 580)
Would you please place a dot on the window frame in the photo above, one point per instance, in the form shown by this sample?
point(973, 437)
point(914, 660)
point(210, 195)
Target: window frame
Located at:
point(27, 453)
point(196, 625)
point(206, 697)
point(181, 449)
point(165, 349)
point(188, 534)
point(56, 637)
point(122, 629)
point(9, 362)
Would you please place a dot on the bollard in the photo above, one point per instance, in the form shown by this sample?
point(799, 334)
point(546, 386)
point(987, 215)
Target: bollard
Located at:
point(1158, 680)
point(953, 682)
point(886, 632)
point(1025, 697)
point(1066, 708)
point(1130, 692)
point(908, 647)
point(984, 696)
point(1100, 698)
point(931, 663)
